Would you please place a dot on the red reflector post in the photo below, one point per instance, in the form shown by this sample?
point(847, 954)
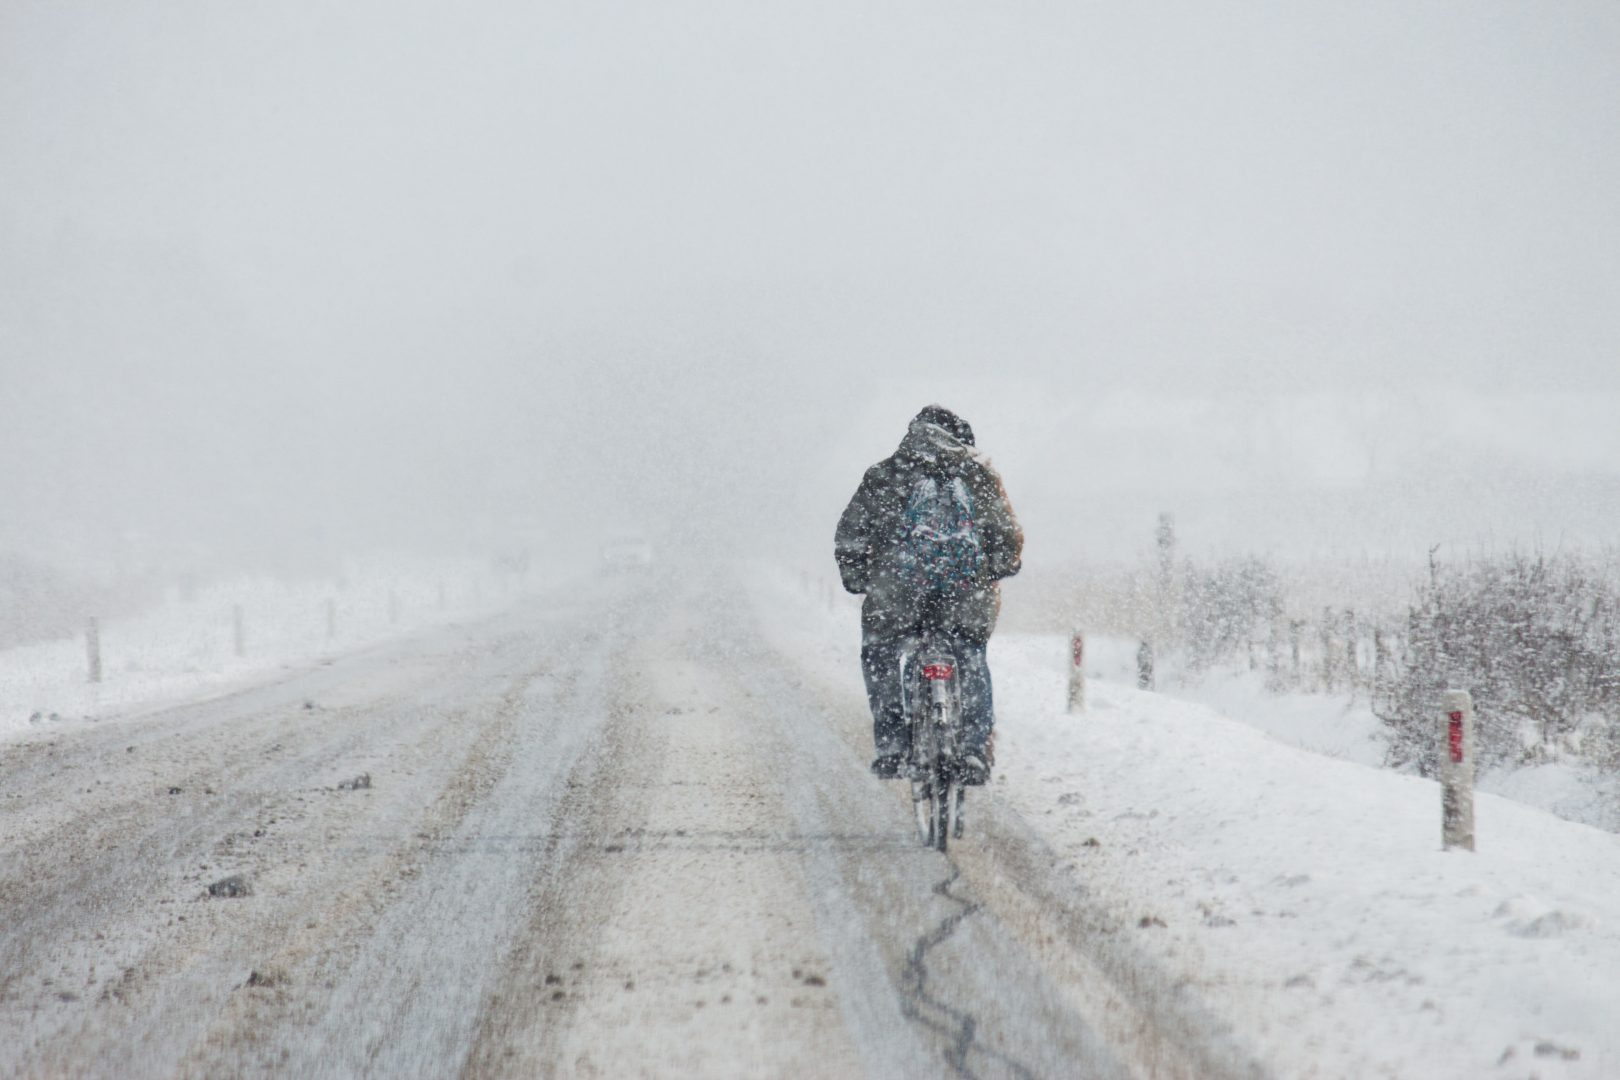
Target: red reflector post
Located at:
point(1457, 770)
point(1077, 672)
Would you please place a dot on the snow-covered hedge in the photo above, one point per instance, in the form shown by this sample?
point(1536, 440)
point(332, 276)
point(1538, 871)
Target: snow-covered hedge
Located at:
point(1536, 639)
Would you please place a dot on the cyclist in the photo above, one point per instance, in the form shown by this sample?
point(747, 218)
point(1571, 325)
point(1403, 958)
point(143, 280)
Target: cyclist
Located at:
point(927, 537)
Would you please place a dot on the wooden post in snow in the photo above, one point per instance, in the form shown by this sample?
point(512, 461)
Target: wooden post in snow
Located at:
point(1295, 628)
point(1325, 634)
point(1380, 659)
point(1077, 672)
point(1352, 654)
point(1457, 771)
point(92, 648)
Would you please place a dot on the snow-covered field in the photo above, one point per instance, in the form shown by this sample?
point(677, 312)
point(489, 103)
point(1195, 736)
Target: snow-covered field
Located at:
point(187, 648)
point(1304, 895)
point(1344, 727)
point(1330, 725)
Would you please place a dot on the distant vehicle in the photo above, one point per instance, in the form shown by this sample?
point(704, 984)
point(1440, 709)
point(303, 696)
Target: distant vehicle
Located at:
point(619, 556)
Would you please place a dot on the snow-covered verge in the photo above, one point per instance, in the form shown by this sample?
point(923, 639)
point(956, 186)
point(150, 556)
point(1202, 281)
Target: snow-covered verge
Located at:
point(1305, 897)
point(1326, 724)
point(187, 648)
point(1340, 726)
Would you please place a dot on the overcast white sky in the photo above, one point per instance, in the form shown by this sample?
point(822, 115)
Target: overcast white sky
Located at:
point(333, 274)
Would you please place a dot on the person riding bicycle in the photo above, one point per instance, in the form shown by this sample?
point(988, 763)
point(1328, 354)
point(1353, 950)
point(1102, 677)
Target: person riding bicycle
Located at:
point(927, 536)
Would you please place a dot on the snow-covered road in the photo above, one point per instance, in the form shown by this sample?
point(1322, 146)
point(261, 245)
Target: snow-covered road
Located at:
point(616, 833)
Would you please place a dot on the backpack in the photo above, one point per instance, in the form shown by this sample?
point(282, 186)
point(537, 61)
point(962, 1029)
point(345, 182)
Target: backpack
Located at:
point(939, 549)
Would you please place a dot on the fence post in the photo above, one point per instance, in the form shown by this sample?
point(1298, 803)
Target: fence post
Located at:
point(1326, 636)
point(92, 648)
point(1352, 654)
point(236, 631)
point(1077, 672)
point(1144, 666)
point(1457, 771)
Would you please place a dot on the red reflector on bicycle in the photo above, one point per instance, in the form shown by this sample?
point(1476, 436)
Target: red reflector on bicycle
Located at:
point(938, 671)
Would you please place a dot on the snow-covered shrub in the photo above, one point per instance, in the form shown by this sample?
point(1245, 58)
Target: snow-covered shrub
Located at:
point(1536, 640)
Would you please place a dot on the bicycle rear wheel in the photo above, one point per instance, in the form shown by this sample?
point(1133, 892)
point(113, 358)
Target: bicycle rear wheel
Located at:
point(923, 804)
point(940, 804)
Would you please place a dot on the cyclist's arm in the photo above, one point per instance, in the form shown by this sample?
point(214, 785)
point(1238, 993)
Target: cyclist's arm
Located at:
point(853, 542)
point(1004, 540)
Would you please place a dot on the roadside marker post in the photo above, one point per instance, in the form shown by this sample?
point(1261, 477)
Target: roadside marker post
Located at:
point(1457, 771)
point(92, 648)
point(1077, 672)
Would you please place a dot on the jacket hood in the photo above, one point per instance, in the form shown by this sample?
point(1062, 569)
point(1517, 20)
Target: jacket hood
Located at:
point(926, 441)
point(939, 415)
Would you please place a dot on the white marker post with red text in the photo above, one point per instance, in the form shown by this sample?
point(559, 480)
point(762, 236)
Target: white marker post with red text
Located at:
point(1457, 771)
point(1077, 674)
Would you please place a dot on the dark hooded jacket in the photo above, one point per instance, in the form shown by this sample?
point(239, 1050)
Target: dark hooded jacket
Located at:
point(869, 533)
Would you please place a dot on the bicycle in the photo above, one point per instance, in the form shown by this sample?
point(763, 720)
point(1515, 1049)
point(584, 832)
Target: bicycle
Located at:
point(932, 700)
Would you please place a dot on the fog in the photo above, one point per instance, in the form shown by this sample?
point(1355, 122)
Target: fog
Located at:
point(280, 283)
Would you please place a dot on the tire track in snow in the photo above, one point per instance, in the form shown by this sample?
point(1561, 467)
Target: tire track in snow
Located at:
point(117, 873)
point(960, 1026)
point(409, 999)
point(679, 914)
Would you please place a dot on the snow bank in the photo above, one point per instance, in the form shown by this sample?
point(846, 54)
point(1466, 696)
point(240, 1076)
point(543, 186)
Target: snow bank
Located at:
point(1309, 896)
